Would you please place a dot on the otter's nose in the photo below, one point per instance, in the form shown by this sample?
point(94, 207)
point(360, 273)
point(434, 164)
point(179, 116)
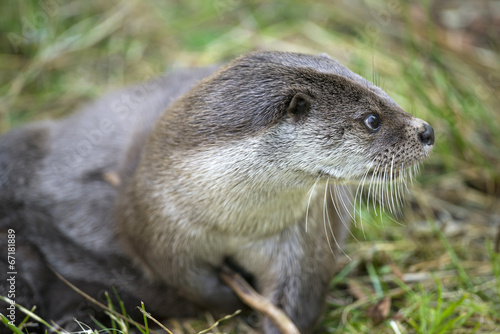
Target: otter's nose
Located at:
point(427, 137)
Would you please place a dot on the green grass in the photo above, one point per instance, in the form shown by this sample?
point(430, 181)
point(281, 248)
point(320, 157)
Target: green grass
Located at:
point(435, 262)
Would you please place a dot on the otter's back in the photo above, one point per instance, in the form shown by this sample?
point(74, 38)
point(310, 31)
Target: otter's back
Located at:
point(54, 191)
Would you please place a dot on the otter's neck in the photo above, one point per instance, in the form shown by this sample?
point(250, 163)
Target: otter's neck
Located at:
point(229, 189)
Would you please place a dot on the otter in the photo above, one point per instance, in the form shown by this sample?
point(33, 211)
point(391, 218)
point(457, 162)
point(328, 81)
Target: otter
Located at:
point(243, 166)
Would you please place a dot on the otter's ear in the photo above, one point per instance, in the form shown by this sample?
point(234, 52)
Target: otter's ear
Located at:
point(299, 106)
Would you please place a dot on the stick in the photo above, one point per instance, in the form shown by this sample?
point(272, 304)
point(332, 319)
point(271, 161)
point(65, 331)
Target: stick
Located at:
point(256, 301)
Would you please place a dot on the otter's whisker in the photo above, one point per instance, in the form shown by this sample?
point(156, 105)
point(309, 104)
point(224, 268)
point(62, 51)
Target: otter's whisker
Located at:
point(324, 221)
point(391, 185)
point(344, 191)
point(347, 206)
point(357, 193)
point(402, 184)
point(360, 188)
point(330, 225)
point(311, 191)
point(394, 220)
point(371, 193)
point(383, 194)
point(379, 194)
point(338, 211)
point(409, 176)
point(359, 199)
point(397, 189)
point(382, 184)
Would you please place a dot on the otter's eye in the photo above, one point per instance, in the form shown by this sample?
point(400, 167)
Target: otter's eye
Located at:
point(372, 122)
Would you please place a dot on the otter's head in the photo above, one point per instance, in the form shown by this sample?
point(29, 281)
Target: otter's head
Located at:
point(298, 117)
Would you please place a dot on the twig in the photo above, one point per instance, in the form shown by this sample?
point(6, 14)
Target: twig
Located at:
point(256, 301)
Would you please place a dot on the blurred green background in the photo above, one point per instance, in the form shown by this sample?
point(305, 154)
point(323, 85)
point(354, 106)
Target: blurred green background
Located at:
point(432, 269)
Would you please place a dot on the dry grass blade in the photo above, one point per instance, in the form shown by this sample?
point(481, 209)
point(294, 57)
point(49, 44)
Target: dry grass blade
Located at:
point(149, 316)
point(215, 324)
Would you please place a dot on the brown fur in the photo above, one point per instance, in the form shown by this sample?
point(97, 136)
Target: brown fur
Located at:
point(226, 175)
